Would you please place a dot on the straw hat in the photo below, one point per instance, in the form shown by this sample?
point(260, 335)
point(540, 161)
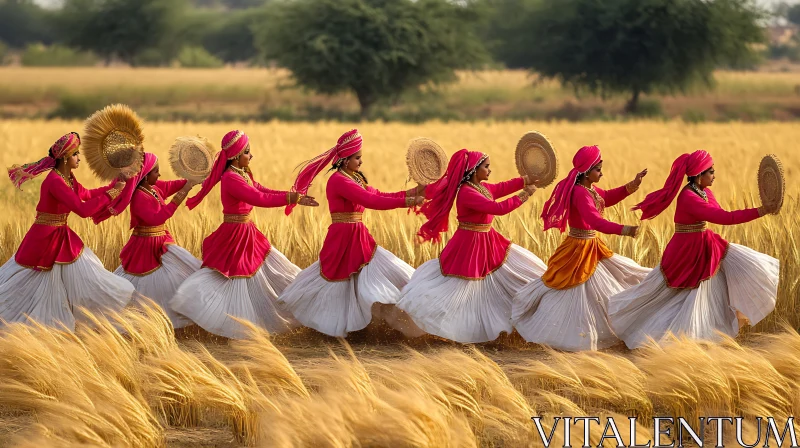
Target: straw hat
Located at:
point(771, 183)
point(536, 158)
point(426, 160)
point(192, 158)
point(112, 141)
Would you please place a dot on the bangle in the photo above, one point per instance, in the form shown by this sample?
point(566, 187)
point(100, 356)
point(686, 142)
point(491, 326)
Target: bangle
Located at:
point(113, 193)
point(179, 197)
point(523, 195)
point(630, 187)
point(410, 200)
point(298, 196)
point(288, 197)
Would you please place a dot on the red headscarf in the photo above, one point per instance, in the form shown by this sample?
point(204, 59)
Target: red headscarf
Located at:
point(65, 146)
point(233, 144)
point(123, 200)
point(348, 144)
point(686, 165)
point(555, 212)
point(461, 167)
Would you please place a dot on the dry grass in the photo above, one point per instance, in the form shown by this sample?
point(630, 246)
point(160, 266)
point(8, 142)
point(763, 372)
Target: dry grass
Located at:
point(141, 387)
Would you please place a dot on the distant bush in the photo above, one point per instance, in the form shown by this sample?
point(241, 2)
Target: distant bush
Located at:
point(38, 55)
point(5, 54)
point(72, 106)
point(198, 57)
point(151, 57)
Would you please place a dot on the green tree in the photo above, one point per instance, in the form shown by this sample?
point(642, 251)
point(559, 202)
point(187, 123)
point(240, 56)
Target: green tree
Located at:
point(120, 28)
point(376, 49)
point(23, 22)
point(793, 14)
point(637, 46)
point(231, 37)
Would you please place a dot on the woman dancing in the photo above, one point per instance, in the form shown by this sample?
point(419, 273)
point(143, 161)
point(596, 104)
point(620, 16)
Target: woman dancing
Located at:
point(465, 295)
point(704, 284)
point(567, 308)
point(151, 260)
point(242, 275)
point(52, 274)
point(354, 280)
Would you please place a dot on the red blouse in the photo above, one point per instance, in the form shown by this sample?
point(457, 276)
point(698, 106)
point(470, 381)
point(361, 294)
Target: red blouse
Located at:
point(50, 240)
point(694, 256)
point(476, 251)
point(142, 254)
point(348, 246)
point(586, 209)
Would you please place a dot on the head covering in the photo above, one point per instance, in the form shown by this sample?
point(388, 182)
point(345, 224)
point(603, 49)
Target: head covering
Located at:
point(233, 144)
point(65, 146)
point(443, 193)
point(348, 144)
point(123, 200)
point(686, 165)
point(555, 212)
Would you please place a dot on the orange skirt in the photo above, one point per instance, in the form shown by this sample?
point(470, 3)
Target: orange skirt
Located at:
point(574, 262)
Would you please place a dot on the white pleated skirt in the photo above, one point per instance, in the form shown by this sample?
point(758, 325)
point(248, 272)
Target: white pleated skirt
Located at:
point(212, 300)
point(177, 264)
point(576, 318)
point(54, 297)
point(747, 281)
point(468, 311)
point(336, 308)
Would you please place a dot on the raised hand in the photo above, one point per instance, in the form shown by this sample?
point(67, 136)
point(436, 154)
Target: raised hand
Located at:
point(530, 180)
point(530, 189)
point(419, 200)
point(308, 201)
point(638, 179)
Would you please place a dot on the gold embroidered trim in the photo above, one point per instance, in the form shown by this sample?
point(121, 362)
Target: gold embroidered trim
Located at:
point(701, 226)
point(241, 172)
point(236, 218)
point(67, 180)
point(355, 178)
point(582, 234)
point(350, 139)
point(719, 266)
point(599, 202)
point(49, 219)
point(347, 217)
point(233, 141)
point(352, 273)
point(150, 230)
point(242, 276)
point(474, 227)
point(113, 193)
point(481, 189)
point(464, 277)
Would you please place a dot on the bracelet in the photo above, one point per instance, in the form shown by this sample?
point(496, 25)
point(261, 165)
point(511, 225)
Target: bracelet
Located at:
point(630, 188)
point(179, 197)
point(113, 193)
point(410, 200)
point(298, 197)
point(523, 195)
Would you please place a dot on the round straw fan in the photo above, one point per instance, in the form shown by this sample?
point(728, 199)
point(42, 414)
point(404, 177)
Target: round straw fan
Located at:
point(112, 141)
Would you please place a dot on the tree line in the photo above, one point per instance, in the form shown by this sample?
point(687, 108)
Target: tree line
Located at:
point(379, 49)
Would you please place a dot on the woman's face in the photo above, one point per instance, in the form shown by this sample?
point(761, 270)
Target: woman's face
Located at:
point(595, 173)
point(706, 178)
point(245, 157)
point(153, 176)
point(483, 171)
point(353, 163)
point(73, 161)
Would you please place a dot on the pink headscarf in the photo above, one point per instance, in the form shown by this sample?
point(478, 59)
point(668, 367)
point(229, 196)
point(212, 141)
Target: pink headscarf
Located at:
point(233, 144)
point(686, 165)
point(123, 200)
point(348, 144)
point(461, 167)
point(555, 212)
point(63, 147)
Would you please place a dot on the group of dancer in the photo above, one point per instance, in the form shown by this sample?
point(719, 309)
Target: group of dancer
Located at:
point(585, 297)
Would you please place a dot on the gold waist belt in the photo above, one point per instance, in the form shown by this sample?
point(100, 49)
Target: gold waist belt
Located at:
point(150, 230)
point(346, 217)
point(691, 228)
point(474, 227)
point(49, 219)
point(582, 234)
point(237, 219)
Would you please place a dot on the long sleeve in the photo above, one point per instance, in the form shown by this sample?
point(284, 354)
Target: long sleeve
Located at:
point(85, 194)
point(398, 194)
point(505, 188)
point(170, 187)
point(613, 196)
point(149, 211)
point(239, 189)
point(354, 193)
point(586, 208)
point(72, 201)
point(264, 189)
point(711, 211)
point(472, 199)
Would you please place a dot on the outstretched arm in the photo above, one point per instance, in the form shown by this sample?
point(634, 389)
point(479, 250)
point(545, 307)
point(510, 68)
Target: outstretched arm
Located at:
point(170, 187)
point(584, 204)
point(473, 200)
point(369, 199)
point(239, 189)
point(505, 188)
point(72, 201)
point(713, 213)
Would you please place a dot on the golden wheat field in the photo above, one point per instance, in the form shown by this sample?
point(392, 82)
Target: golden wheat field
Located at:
point(132, 383)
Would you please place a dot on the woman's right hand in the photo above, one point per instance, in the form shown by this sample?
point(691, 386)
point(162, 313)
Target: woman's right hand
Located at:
point(119, 185)
point(308, 201)
point(530, 189)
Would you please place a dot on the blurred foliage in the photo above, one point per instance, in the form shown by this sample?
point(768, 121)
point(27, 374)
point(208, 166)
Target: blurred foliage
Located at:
point(23, 22)
point(198, 57)
point(38, 55)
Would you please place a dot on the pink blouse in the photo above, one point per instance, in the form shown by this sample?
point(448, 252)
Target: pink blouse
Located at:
point(142, 254)
point(476, 250)
point(50, 240)
point(586, 209)
point(348, 246)
point(237, 248)
point(694, 256)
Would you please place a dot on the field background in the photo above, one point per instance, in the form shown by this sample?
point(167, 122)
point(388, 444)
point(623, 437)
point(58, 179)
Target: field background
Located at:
point(302, 389)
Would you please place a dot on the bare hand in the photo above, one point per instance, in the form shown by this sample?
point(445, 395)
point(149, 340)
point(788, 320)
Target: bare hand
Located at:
point(419, 200)
point(530, 189)
point(638, 179)
point(308, 201)
point(125, 175)
point(119, 185)
point(530, 180)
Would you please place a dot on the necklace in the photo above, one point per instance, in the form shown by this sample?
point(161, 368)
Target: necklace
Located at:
point(355, 178)
point(481, 189)
point(599, 202)
point(149, 191)
point(242, 173)
point(68, 180)
point(699, 192)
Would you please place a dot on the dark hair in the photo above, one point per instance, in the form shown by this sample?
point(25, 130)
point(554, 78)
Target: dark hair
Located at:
point(691, 179)
point(338, 164)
